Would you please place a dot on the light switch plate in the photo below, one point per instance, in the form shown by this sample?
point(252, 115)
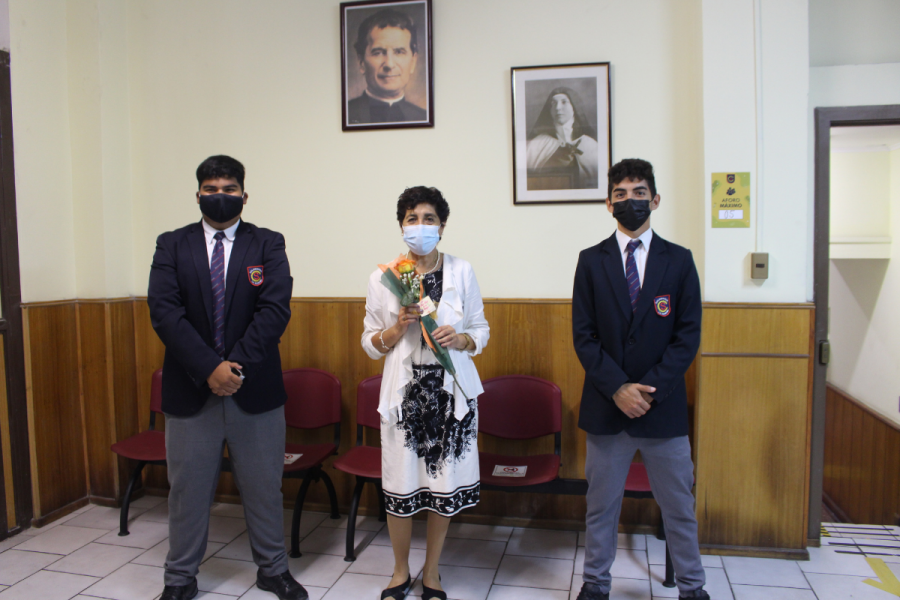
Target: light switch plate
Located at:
point(759, 265)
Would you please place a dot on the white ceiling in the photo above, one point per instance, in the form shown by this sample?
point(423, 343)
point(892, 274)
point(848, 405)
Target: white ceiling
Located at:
point(880, 138)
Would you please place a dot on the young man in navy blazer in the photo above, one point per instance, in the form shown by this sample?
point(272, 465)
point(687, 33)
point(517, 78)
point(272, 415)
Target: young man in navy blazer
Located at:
point(636, 326)
point(219, 299)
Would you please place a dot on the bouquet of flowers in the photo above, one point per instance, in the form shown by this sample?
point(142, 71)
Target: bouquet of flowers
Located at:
point(399, 276)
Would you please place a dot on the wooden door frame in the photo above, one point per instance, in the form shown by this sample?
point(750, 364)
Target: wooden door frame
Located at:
point(11, 323)
point(825, 119)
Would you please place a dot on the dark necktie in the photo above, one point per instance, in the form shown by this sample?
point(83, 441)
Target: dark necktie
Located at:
point(217, 277)
point(631, 273)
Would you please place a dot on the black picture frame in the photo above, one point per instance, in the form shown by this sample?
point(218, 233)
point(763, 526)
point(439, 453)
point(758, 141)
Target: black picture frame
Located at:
point(548, 168)
point(360, 109)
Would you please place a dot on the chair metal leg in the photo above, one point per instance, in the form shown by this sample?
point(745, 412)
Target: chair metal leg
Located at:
point(298, 510)
point(661, 532)
point(382, 513)
point(126, 501)
point(351, 520)
point(332, 495)
point(670, 570)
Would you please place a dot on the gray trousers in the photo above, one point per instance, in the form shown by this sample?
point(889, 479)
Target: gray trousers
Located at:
point(194, 448)
point(671, 472)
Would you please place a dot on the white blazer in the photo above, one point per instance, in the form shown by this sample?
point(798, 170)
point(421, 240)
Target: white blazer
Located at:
point(461, 306)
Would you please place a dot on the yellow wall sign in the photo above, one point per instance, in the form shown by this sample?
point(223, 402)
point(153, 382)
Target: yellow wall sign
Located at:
point(731, 199)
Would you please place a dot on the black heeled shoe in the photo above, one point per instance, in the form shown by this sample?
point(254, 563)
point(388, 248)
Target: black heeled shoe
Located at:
point(398, 592)
point(431, 593)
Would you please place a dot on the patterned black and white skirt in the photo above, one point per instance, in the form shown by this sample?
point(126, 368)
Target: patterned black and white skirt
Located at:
point(429, 458)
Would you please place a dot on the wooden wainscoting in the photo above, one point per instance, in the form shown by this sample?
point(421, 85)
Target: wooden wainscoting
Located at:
point(862, 461)
point(753, 428)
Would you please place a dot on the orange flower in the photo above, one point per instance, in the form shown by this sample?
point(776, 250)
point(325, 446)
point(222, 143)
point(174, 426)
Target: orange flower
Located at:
point(393, 265)
point(406, 266)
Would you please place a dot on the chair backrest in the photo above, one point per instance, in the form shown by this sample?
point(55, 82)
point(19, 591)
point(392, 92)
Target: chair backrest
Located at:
point(314, 398)
point(519, 407)
point(156, 392)
point(367, 395)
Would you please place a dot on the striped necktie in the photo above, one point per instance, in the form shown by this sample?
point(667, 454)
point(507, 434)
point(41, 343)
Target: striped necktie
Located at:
point(217, 277)
point(631, 273)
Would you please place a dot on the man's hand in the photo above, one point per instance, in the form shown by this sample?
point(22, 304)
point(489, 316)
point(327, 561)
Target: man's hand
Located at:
point(634, 399)
point(222, 381)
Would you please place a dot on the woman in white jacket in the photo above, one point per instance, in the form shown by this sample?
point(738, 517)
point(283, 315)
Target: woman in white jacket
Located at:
point(429, 425)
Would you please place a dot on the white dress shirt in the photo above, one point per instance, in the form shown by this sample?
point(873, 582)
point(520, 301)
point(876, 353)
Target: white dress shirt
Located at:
point(640, 255)
point(227, 242)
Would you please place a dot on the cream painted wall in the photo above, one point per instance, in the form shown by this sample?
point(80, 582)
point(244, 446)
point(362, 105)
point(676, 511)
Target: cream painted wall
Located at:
point(860, 194)
point(863, 327)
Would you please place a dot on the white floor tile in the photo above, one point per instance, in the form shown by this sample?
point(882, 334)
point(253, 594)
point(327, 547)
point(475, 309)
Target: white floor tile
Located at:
point(104, 517)
point(47, 585)
point(755, 592)
point(239, 548)
point(379, 560)
point(771, 571)
point(828, 561)
point(461, 583)
point(318, 570)
point(225, 529)
point(142, 534)
point(544, 543)
point(505, 592)
point(629, 589)
point(471, 531)
point(226, 509)
point(419, 536)
point(254, 593)
point(472, 553)
point(657, 576)
point(61, 540)
point(12, 542)
point(711, 561)
point(309, 520)
point(16, 565)
point(839, 587)
point(159, 513)
point(630, 564)
point(229, 577)
point(328, 540)
point(633, 541)
point(656, 550)
point(356, 585)
point(156, 556)
point(363, 523)
point(96, 560)
point(212, 596)
point(149, 502)
point(579, 561)
point(535, 572)
point(582, 538)
point(131, 582)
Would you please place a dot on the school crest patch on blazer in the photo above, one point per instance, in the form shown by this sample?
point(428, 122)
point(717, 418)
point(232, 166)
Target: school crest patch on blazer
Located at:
point(255, 274)
point(662, 305)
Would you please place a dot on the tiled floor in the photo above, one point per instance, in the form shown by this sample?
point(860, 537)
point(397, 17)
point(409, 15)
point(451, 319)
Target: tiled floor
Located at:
point(82, 557)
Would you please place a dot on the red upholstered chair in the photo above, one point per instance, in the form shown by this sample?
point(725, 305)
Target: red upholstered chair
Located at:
point(520, 407)
point(637, 485)
point(314, 401)
point(364, 462)
point(147, 447)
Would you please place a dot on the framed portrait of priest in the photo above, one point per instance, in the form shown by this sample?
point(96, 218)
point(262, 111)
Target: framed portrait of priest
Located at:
point(561, 133)
point(387, 79)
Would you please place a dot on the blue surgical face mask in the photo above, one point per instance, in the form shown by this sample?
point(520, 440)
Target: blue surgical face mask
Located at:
point(421, 239)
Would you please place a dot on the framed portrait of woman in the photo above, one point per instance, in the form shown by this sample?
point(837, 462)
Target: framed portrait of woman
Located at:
point(561, 134)
point(386, 66)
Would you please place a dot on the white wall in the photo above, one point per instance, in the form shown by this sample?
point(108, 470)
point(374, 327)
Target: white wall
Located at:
point(4, 25)
point(853, 33)
point(860, 194)
point(863, 327)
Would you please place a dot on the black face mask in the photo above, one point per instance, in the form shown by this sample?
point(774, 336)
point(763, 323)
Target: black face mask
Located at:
point(631, 213)
point(221, 208)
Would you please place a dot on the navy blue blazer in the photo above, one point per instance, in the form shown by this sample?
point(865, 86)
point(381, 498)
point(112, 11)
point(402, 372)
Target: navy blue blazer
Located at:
point(655, 346)
point(258, 288)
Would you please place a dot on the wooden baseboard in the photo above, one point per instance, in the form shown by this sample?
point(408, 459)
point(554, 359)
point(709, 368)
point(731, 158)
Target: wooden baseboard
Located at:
point(836, 510)
point(60, 512)
point(813, 543)
point(785, 553)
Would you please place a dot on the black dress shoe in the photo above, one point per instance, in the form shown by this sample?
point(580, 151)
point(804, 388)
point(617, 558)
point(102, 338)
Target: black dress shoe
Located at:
point(590, 591)
point(284, 586)
point(699, 594)
point(397, 592)
point(179, 592)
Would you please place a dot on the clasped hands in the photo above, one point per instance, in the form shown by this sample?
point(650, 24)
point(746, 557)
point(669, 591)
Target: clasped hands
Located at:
point(634, 399)
point(445, 335)
point(222, 381)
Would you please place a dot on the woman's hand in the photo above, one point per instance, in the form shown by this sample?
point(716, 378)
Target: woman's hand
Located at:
point(408, 315)
point(447, 337)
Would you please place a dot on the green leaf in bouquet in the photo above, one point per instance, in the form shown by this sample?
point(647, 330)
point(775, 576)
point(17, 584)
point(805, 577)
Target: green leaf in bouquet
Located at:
point(440, 353)
point(391, 282)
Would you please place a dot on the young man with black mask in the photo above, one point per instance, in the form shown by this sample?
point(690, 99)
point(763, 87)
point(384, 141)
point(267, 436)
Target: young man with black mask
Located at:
point(219, 299)
point(636, 325)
